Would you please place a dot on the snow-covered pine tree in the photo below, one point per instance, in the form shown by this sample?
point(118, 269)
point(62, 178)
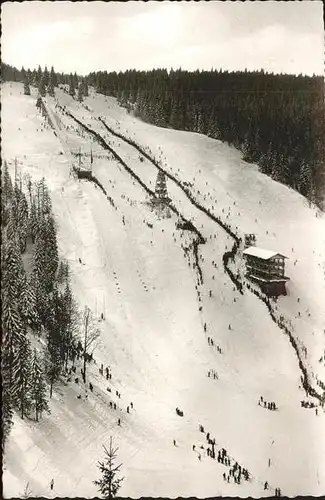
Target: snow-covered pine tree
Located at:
point(7, 187)
point(52, 360)
point(75, 80)
point(46, 76)
point(6, 408)
point(85, 88)
point(80, 93)
point(51, 87)
point(25, 81)
point(110, 483)
point(62, 272)
point(22, 376)
point(13, 333)
point(71, 322)
point(27, 303)
point(38, 387)
point(52, 255)
point(23, 222)
point(72, 89)
point(33, 220)
point(53, 77)
point(42, 87)
point(39, 279)
point(39, 76)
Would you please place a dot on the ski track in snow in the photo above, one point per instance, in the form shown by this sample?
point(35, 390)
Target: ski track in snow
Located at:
point(152, 335)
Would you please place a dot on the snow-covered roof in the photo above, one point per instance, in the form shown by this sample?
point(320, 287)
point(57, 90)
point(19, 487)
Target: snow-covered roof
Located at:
point(261, 253)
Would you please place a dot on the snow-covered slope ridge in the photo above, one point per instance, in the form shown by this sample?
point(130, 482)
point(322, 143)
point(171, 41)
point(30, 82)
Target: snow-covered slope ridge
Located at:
point(159, 320)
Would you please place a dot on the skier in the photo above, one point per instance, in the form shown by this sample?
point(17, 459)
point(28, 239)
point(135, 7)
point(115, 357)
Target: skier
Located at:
point(131, 404)
point(174, 441)
point(266, 485)
point(52, 484)
point(119, 422)
point(193, 447)
point(128, 409)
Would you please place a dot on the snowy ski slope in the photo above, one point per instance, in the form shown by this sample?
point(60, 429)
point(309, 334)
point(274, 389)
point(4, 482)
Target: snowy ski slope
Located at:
point(153, 334)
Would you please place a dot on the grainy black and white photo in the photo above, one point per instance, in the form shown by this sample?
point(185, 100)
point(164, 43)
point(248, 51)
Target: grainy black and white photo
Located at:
point(162, 249)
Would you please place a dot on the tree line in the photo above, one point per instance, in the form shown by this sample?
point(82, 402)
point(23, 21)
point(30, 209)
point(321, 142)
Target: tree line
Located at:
point(37, 302)
point(46, 81)
point(277, 121)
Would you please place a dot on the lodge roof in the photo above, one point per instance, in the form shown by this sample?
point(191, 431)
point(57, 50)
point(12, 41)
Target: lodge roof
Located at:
point(261, 253)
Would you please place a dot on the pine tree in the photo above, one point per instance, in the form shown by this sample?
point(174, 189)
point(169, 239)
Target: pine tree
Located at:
point(38, 76)
point(51, 87)
point(23, 221)
point(72, 89)
point(13, 334)
point(53, 77)
point(75, 80)
point(85, 88)
point(7, 188)
point(33, 221)
point(22, 376)
point(27, 304)
point(42, 87)
point(25, 82)
point(109, 484)
point(6, 410)
point(80, 93)
point(38, 387)
point(70, 322)
point(46, 76)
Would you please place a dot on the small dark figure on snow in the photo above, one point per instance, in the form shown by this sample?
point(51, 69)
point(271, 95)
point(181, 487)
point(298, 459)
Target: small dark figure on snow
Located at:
point(114, 406)
point(119, 422)
point(52, 484)
point(266, 485)
point(128, 409)
point(193, 447)
point(80, 261)
point(76, 380)
point(131, 404)
point(174, 441)
point(91, 386)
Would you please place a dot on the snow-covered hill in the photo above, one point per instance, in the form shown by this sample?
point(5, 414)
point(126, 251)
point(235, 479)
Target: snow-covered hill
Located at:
point(135, 272)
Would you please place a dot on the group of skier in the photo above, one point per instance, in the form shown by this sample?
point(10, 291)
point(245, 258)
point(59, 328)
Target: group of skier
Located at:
point(267, 404)
point(214, 374)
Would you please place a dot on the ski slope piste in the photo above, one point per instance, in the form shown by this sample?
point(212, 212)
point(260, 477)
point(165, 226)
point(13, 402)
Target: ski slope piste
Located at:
point(179, 326)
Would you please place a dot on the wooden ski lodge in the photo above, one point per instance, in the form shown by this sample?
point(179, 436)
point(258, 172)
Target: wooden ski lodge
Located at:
point(267, 269)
